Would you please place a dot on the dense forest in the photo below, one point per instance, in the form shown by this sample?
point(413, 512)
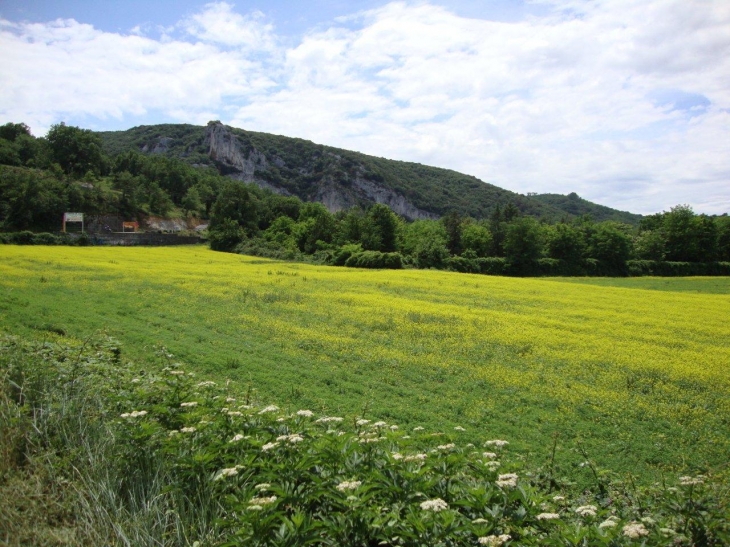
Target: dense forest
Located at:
point(69, 170)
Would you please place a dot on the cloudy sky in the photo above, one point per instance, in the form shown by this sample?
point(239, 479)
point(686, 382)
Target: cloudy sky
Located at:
point(626, 102)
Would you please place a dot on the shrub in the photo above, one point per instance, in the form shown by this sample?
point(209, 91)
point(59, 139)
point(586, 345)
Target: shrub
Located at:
point(44, 238)
point(375, 260)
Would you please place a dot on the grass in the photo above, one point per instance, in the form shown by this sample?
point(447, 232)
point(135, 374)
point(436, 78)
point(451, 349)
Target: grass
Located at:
point(699, 285)
point(634, 381)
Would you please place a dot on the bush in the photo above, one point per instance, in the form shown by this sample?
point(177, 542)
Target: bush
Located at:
point(258, 246)
point(664, 268)
point(375, 260)
point(462, 264)
point(44, 238)
point(492, 265)
point(341, 255)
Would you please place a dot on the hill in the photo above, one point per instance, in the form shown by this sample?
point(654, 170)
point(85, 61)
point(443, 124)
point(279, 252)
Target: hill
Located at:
point(574, 205)
point(335, 177)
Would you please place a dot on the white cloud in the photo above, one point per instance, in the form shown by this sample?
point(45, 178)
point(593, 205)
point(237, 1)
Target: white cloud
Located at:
point(219, 24)
point(623, 102)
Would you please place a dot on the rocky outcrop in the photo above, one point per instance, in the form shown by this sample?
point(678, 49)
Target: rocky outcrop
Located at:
point(224, 148)
point(242, 162)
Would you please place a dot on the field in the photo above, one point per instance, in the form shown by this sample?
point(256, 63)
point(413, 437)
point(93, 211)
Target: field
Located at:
point(633, 378)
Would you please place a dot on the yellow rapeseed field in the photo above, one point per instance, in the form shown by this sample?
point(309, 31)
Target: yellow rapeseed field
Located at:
point(607, 356)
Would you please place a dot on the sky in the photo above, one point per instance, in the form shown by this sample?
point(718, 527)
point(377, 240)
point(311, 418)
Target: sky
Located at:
point(626, 102)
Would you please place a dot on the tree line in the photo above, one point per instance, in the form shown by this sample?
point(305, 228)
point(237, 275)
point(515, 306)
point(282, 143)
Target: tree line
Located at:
point(68, 170)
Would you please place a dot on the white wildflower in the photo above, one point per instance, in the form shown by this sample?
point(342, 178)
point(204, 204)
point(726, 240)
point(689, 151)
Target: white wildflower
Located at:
point(691, 481)
point(269, 446)
point(459, 428)
point(480, 521)
point(635, 530)
point(489, 455)
point(134, 414)
point(416, 458)
point(362, 422)
point(255, 508)
point(294, 438)
point(494, 541)
point(188, 430)
point(587, 510)
point(234, 413)
point(262, 486)
point(172, 433)
point(189, 404)
point(667, 532)
point(419, 428)
point(434, 505)
point(610, 522)
point(348, 485)
point(394, 428)
point(270, 408)
point(207, 383)
point(282, 419)
point(227, 472)
point(558, 498)
point(648, 520)
point(230, 399)
point(305, 413)
point(135, 380)
point(397, 456)
point(379, 424)
point(508, 480)
point(177, 372)
point(497, 442)
point(449, 446)
point(547, 516)
point(329, 419)
point(236, 438)
point(262, 500)
point(492, 465)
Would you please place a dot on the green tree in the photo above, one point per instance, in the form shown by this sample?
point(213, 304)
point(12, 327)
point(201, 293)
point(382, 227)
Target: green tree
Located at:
point(225, 235)
point(425, 242)
point(452, 224)
point(75, 150)
point(238, 203)
point(523, 243)
point(565, 242)
point(611, 244)
point(477, 239)
point(191, 203)
point(650, 245)
point(316, 225)
point(378, 230)
point(684, 233)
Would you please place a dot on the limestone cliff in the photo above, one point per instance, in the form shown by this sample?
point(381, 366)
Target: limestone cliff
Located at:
point(241, 160)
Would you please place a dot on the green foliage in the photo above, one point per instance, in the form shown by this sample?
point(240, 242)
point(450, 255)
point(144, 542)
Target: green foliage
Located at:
point(523, 243)
point(76, 150)
point(611, 244)
point(157, 456)
point(565, 242)
point(226, 235)
point(236, 202)
point(477, 239)
point(375, 260)
point(575, 206)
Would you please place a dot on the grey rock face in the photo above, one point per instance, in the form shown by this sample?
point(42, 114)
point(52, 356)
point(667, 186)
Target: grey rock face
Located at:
point(225, 148)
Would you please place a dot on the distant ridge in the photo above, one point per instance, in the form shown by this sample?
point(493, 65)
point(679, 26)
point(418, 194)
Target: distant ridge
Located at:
point(341, 178)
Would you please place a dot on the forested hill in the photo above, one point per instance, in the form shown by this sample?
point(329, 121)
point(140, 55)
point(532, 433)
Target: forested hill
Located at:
point(575, 205)
point(340, 178)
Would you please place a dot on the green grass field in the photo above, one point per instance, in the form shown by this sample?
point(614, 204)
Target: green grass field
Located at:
point(637, 379)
